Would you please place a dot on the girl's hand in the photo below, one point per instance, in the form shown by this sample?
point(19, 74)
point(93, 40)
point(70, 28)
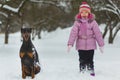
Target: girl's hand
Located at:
point(101, 49)
point(69, 47)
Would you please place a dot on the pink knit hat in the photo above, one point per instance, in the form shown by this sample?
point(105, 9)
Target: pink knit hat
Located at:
point(84, 6)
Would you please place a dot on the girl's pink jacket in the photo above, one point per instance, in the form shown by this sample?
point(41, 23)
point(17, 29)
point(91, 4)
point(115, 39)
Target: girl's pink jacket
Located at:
point(86, 33)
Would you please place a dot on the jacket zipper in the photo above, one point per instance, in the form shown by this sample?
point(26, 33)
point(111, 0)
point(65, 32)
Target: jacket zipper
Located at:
point(86, 39)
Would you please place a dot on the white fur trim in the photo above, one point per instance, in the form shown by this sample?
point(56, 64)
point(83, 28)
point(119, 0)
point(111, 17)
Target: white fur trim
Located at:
point(86, 5)
point(81, 9)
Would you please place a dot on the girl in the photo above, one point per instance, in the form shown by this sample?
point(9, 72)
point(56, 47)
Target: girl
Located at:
point(86, 33)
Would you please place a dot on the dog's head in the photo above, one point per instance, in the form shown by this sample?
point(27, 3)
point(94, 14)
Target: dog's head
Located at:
point(26, 33)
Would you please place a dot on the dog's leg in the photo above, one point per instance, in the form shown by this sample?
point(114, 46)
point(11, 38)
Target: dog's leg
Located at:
point(23, 72)
point(21, 54)
point(31, 55)
point(33, 72)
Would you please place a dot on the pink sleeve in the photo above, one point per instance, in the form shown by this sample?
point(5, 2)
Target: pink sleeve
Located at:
point(73, 34)
point(98, 34)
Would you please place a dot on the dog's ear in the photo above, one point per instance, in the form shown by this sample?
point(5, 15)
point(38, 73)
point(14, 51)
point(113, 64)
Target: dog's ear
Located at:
point(30, 30)
point(22, 30)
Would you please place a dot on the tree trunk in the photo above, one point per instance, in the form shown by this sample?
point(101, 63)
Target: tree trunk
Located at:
point(106, 30)
point(33, 34)
point(110, 36)
point(115, 33)
point(6, 35)
point(7, 30)
point(39, 34)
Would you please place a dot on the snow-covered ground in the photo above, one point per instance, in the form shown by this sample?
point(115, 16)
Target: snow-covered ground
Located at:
point(56, 63)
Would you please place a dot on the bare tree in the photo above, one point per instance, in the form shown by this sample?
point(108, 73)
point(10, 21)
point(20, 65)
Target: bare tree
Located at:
point(109, 14)
point(8, 11)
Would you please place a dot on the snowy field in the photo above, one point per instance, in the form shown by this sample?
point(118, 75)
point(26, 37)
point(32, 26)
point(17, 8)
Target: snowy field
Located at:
point(56, 63)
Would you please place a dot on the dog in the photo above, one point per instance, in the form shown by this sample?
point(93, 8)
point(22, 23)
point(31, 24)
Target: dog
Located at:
point(28, 55)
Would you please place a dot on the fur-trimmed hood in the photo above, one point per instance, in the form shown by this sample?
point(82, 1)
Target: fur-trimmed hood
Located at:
point(91, 17)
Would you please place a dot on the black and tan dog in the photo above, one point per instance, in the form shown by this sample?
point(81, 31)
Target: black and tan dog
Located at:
point(28, 55)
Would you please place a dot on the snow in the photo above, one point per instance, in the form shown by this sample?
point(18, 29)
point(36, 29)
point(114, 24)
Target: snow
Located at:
point(12, 8)
point(63, 4)
point(0, 22)
point(4, 14)
point(36, 0)
point(0, 5)
point(111, 7)
point(56, 63)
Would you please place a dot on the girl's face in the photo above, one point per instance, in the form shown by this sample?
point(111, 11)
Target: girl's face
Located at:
point(84, 14)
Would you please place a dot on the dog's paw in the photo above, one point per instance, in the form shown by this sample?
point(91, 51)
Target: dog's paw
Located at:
point(23, 76)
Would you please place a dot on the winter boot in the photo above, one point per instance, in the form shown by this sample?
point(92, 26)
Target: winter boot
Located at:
point(82, 68)
point(92, 73)
point(90, 68)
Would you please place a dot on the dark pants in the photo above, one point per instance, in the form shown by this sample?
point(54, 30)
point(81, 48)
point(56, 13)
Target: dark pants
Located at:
point(86, 59)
